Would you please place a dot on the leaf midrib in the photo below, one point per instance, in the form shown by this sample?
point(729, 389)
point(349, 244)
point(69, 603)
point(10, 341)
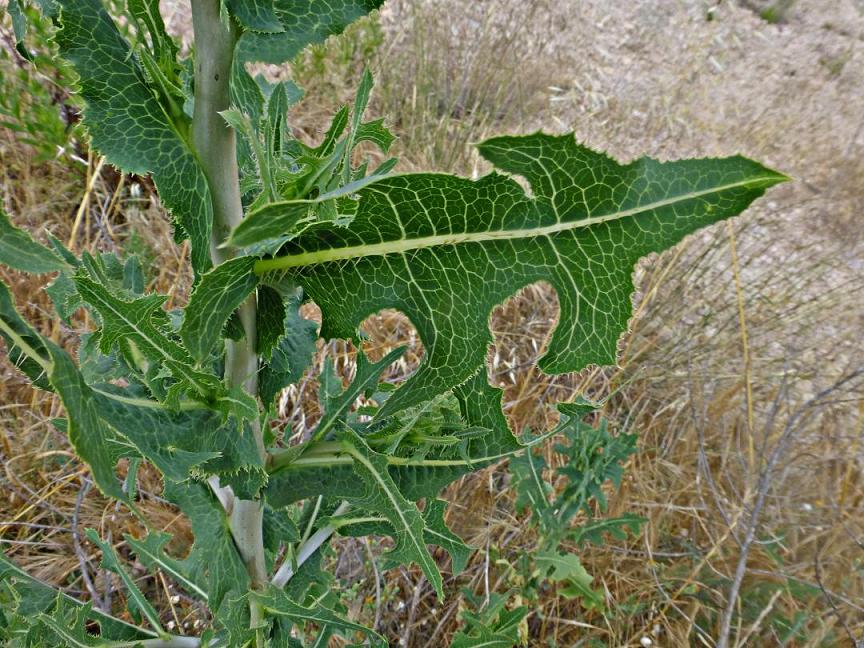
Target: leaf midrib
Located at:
point(171, 360)
point(400, 246)
point(418, 543)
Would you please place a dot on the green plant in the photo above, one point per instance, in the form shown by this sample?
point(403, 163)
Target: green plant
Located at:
point(272, 222)
point(33, 82)
point(591, 458)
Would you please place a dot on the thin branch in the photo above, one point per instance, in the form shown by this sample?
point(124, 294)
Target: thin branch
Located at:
point(79, 551)
point(287, 570)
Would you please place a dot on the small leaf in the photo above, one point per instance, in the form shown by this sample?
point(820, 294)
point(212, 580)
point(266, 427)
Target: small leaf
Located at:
point(143, 322)
point(18, 249)
point(136, 600)
point(567, 568)
point(278, 527)
point(439, 534)
point(594, 531)
point(151, 552)
point(277, 603)
point(383, 496)
point(146, 14)
point(492, 625)
point(36, 598)
point(218, 294)
point(293, 350)
point(24, 345)
point(375, 132)
point(93, 439)
point(336, 406)
point(532, 491)
point(270, 324)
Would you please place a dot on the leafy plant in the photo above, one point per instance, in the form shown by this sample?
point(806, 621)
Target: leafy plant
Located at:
point(592, 458)
point(33, 82)
point(272, 222)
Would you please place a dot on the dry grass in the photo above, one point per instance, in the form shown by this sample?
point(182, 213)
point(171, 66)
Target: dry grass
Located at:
point(748, 474)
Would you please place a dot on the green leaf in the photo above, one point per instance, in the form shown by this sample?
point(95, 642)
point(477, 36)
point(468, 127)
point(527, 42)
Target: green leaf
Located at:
point(109, 423)
point(360, 524)
point(146, 14)
point(594, 531)
point(142, 322)
point(293, 350)
point(129, 125)
point(175, 442)
point(136, 601)
point(301, 24)
point(439, 534)
point(18, 250)
point(213, 562)
point(270, 323)
point(447, 250)
point(133, 276)
point(64, 296)
point(68, 624)
point(374, 131)
point(593, 457)
point(34, 597)
point(567, 568)
point(532, 491)
point(278, 527)
point(419, 472)
point(366, 378)
point(218, 294)
point(382, 496)
point(93, 439)
point(490, 441)
point(186, 443)
point(24, 345)
point(19, 24)
point(277, 603)
point(151, 552)
point(492, 625)
point(258, 15)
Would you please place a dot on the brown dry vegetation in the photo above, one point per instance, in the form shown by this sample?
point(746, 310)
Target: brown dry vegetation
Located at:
point(748, 473)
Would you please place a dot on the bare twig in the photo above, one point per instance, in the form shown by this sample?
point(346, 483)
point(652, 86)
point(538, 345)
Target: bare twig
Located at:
point(98, 601)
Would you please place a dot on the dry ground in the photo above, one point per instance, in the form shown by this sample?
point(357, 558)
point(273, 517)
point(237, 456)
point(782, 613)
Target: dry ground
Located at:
point(748, 473)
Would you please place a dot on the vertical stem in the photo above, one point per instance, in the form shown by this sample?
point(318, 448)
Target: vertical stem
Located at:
point(215, 146)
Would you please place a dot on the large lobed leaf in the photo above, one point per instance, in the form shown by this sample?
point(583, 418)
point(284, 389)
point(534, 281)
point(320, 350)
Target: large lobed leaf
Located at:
point(128, 124)
point(446, 250)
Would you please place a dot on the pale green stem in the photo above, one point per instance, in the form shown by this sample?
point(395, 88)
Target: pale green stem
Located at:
point(288, 569)
point(215, 145)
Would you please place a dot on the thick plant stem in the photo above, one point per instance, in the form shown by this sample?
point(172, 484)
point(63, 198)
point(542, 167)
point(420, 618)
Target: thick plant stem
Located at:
point(215, 146)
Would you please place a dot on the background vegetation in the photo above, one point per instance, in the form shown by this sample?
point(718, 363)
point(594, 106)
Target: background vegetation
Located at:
point(748, 468)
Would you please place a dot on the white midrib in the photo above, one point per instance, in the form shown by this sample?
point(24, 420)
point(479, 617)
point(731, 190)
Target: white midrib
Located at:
point(399, 246)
